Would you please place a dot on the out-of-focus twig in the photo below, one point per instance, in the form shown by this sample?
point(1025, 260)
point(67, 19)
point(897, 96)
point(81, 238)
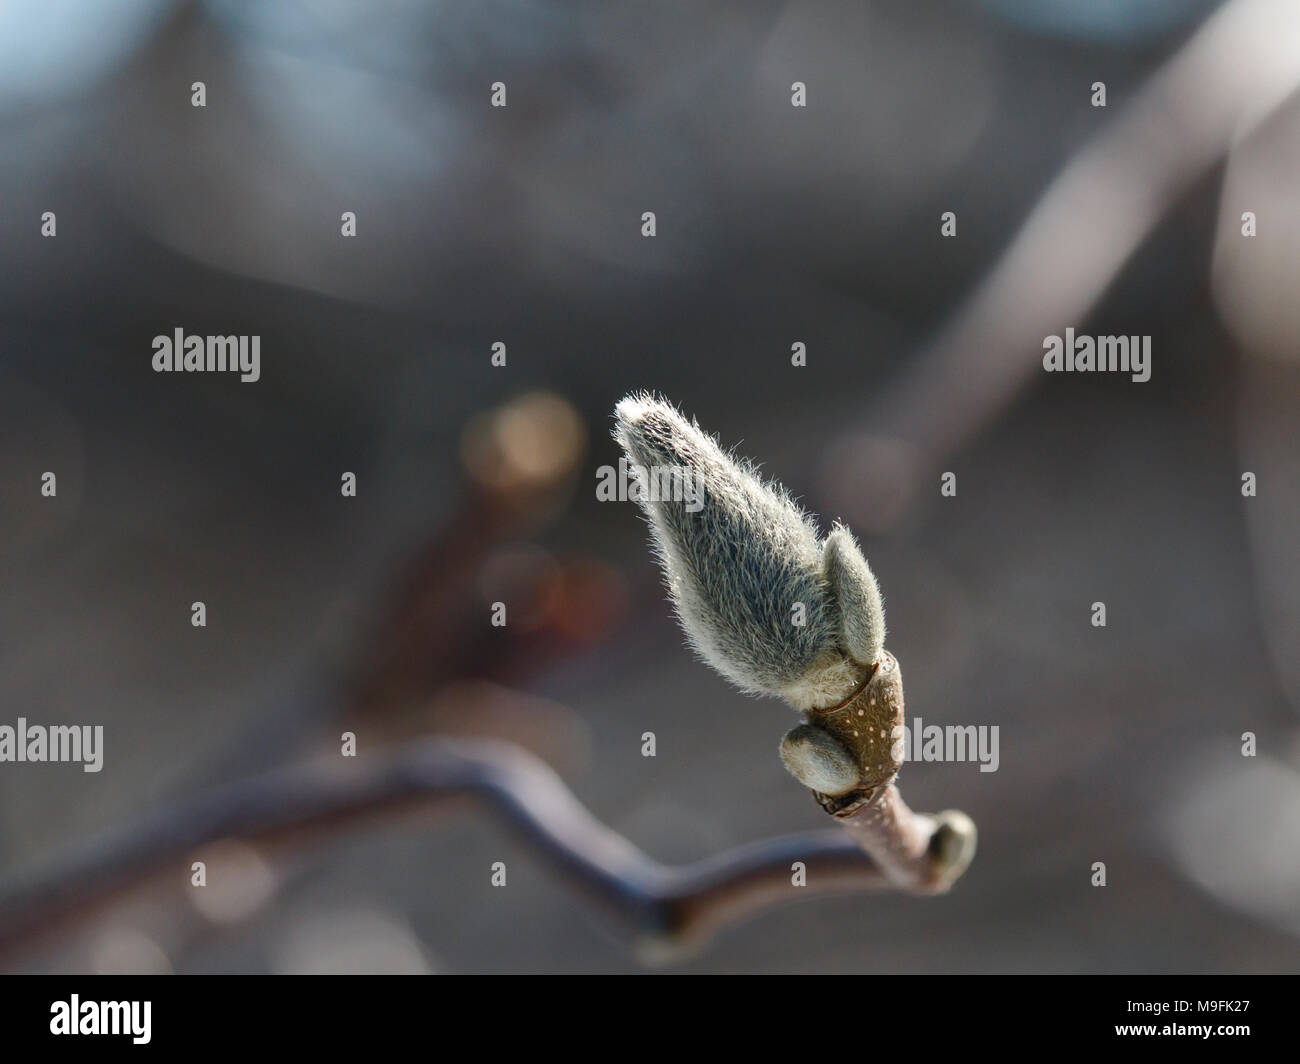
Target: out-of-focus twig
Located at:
point(667, 908)
point(1232, 74)
point(1267, 442)
point(521, 461)
point(429, 661)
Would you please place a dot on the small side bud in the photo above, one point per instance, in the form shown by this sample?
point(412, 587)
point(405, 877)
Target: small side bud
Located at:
point(817, 760)
point(854, 589)
point(953, 844)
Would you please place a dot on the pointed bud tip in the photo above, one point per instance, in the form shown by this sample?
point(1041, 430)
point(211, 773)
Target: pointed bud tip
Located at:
point(637, 411)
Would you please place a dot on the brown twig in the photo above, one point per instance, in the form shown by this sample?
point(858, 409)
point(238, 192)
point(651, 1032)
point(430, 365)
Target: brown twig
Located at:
point(916, 852)
point(667, 908)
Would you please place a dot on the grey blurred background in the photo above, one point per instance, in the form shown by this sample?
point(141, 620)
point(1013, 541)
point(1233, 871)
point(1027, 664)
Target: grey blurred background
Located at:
point(775, 225)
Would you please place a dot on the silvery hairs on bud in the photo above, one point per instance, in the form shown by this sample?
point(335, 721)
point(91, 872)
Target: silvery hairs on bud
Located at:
point(739, 568)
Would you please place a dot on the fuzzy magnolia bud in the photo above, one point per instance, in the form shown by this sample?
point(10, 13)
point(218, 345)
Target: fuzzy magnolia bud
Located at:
point(761, 598)
point(779, 611)
point(765, 601)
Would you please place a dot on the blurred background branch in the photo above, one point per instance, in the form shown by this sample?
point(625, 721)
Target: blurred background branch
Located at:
point(667, 910)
